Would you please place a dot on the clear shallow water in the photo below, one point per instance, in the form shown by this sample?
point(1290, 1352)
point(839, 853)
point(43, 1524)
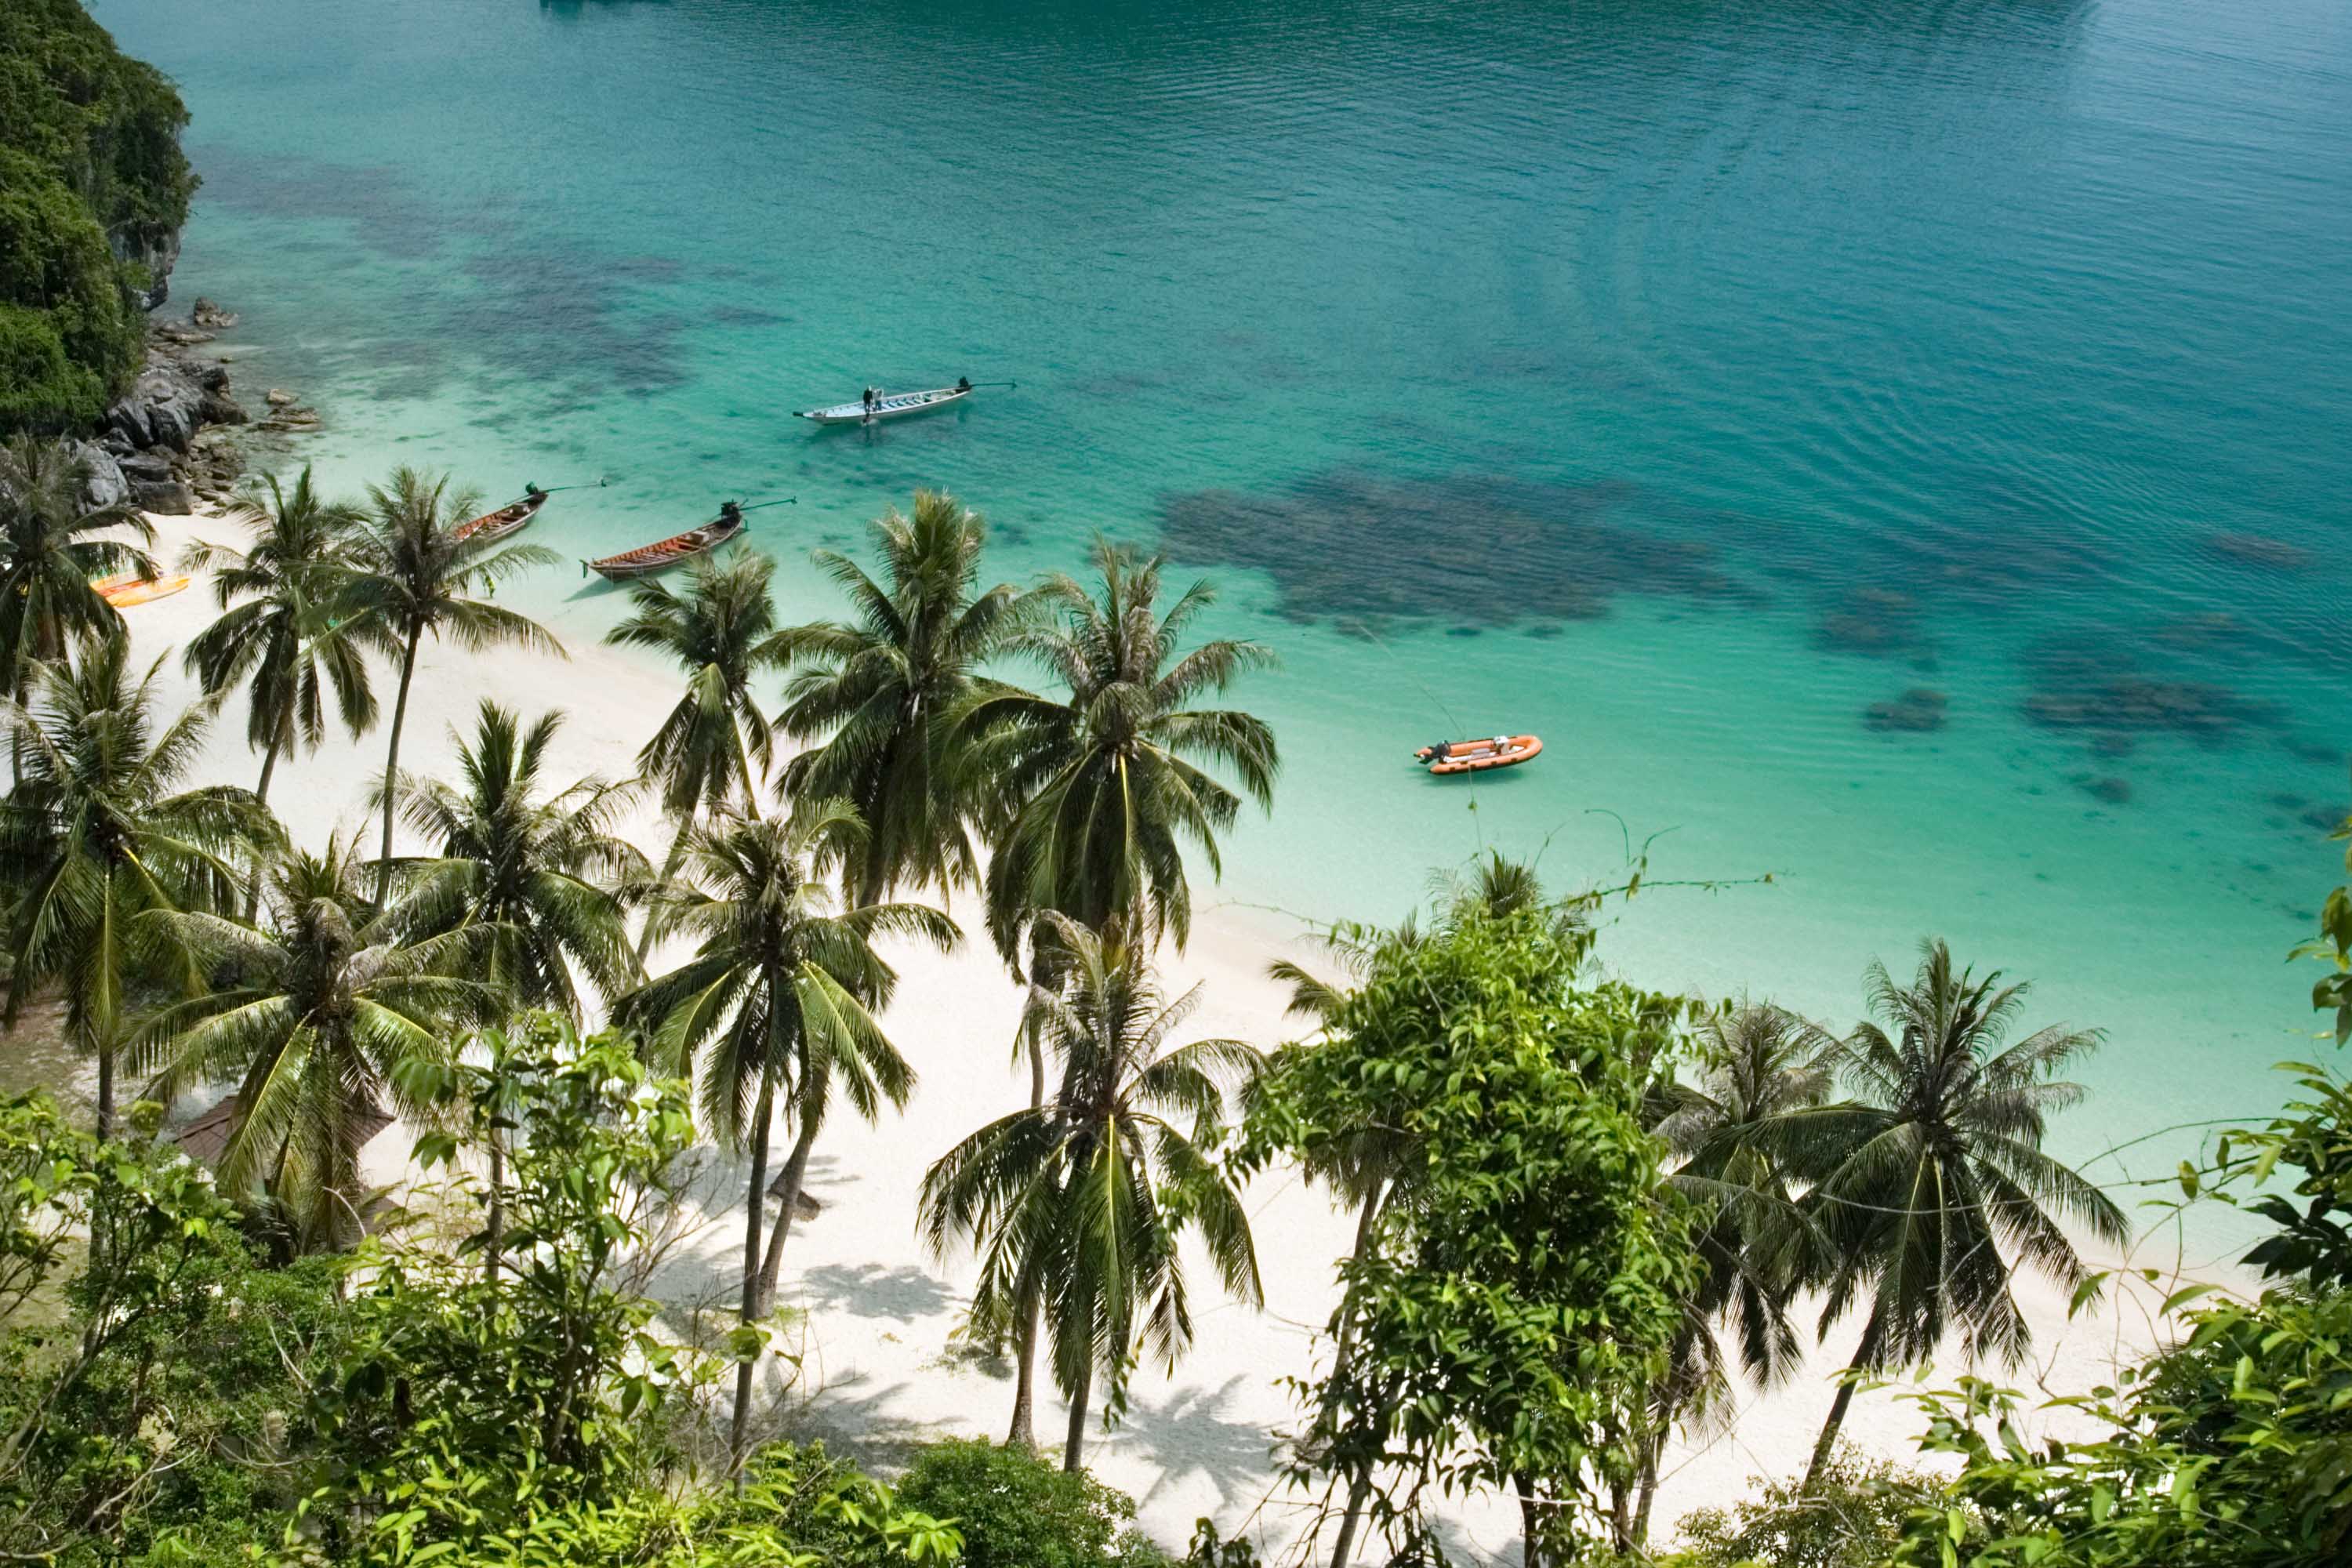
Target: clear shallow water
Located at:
point(1676, 379)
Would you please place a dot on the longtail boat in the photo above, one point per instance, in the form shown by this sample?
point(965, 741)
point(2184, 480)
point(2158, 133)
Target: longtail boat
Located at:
point(1477, 756)
point(894, 405)
point(508, 518)
point(648, 559)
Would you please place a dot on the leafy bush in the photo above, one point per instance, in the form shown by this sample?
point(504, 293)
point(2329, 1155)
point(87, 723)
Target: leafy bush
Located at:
point(1853, 1516)
point(1017, 1509)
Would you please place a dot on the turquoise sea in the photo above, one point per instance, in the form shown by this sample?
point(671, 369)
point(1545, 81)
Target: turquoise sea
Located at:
point(1675, 378)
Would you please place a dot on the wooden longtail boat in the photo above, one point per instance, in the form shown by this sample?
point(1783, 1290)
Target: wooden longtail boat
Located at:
point(648, 559)
point(125, 589)
point(508, 518)
point(896, 405)
point(1477, 756)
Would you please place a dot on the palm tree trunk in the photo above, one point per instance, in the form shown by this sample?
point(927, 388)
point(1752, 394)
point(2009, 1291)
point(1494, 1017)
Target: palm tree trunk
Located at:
point(261, 797)
point(1074, 1446)
point(392, 765)
point(1024, 1379)
point(105, 1089)
point(1024, 1384)
point(743, 1421)
point(1865, 1356)
point(653, 906)
point(796, 1170)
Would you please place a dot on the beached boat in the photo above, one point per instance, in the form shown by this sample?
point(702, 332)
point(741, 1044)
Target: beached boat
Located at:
point(124, 589)
point(894, 405)
point(496, 525)
point(648, 558)
point(1477, 756)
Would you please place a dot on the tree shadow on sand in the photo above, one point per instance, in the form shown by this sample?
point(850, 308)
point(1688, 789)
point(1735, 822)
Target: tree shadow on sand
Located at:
point(903, 1294)
point(1193, 1432)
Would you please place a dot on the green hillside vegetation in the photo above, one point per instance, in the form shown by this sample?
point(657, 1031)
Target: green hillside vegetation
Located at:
point(92, 182)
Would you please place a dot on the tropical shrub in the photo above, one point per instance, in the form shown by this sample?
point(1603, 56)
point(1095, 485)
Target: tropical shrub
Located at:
point(1853, 1515)
point(1016, 1508)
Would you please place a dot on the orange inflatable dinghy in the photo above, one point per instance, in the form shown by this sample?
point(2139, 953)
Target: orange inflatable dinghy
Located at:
point(1477, 756)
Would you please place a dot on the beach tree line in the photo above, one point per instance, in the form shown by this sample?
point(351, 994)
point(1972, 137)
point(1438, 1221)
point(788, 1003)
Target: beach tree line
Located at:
point(1585, 1214)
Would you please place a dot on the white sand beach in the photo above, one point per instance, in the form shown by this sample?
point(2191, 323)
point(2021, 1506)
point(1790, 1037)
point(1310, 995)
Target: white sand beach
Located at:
point(881, 1312)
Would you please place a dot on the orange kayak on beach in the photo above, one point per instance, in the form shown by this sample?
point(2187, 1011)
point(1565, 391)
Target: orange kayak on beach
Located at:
point(1477, 756)
point(125, 589)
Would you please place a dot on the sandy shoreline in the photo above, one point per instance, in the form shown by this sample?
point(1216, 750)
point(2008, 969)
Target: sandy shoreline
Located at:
point(878, 1369)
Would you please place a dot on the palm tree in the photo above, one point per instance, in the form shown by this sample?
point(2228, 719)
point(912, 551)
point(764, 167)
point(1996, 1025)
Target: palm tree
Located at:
point(1733, 1129)
point(539, 874)
point(885, 687)
point(779, 983)
point(51, 546)
point(414, 576)
point(1937, 1165)
point(722, 632)
point(1079, 1205)
point(1087, 800)
point(539, 870)
point(329, 1012)
point(98, 833)
point(282, 634)
point(1098, 790)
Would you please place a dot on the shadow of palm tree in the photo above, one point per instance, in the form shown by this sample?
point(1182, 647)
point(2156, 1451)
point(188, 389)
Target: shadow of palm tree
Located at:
point(1192, 1432)
point(871, 1290)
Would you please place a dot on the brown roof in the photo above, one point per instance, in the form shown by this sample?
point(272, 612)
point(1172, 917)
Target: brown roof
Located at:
point(206, 1136)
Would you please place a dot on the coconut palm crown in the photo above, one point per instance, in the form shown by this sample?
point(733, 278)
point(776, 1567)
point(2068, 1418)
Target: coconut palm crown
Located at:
point(1080, 1203)
point(542, 871)
point(1097, 792)
point(413, 577)
point(1933, 1186)
point(276, 626)
point(52, 544)
point(328, 1014)
point(884, 688)
point(99, 832)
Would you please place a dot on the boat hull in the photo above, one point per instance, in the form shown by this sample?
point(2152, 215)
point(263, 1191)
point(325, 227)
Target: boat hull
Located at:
point(899, 406)
point(1481, 756)
point(668, 552)
point(492, 526)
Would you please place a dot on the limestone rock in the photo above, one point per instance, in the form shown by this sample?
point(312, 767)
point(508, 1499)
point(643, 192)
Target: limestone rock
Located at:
point(204, 313)
point(105, 485)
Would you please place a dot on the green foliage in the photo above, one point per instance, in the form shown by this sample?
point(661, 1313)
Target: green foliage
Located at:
point(1017, 1509)
point(1517, 1305)
point(468, 1403)
point(146, 1411)
point(2234, 1451)
point(91, 171)
point(884, 687)
point(1853, 1515)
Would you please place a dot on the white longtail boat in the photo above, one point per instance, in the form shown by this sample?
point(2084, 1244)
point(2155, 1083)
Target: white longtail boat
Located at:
point(508, 518)
point(893, 405)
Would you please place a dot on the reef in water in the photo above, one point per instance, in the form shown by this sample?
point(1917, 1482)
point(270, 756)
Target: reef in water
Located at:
point(2097, 683)
point(1468, 552)
point(1876, 621)
point(1918, 709)
point(2260, 550)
